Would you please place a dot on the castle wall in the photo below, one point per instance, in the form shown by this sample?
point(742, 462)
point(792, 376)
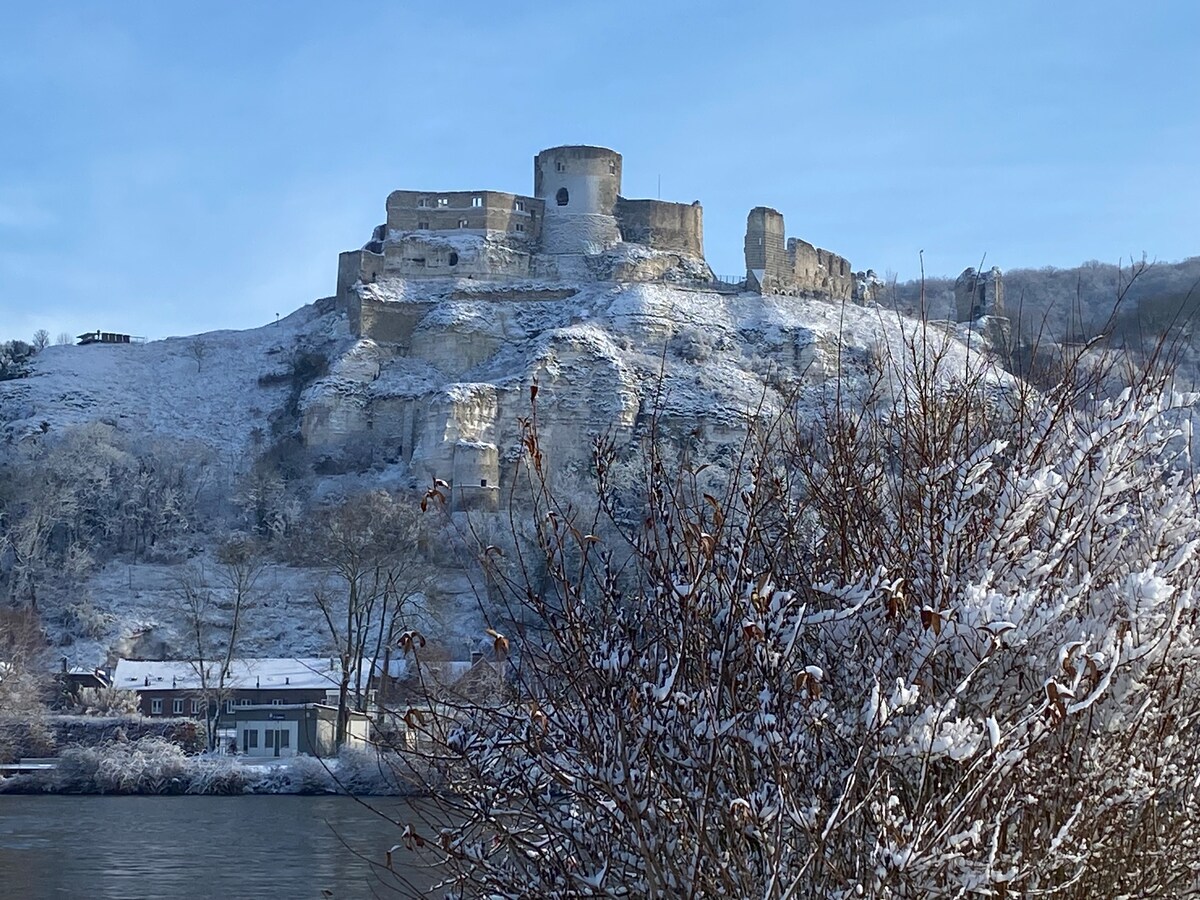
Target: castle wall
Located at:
point(775, 265)
point(384, 322)
point(662, 225)
point(355, 266)
point(579, 187)
point(481, 211)
point(476, 480)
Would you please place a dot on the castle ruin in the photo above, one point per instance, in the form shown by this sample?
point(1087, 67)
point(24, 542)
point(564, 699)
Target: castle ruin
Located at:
point(979, 294)
point(576, 226)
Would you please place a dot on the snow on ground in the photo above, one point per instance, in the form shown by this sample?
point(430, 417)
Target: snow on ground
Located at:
point(162, 387)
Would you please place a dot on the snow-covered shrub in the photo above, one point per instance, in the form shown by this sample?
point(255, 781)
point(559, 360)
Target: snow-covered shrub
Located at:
point(108, 701)
point(937, 641)
point(151, 765)
point(692, 345)
point(218, 775)
point(302, 775)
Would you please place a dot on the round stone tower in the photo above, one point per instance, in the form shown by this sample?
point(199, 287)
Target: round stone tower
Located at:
point(580, 186)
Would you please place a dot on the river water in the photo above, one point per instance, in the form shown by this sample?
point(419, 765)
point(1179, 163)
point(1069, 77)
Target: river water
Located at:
point(252, 847)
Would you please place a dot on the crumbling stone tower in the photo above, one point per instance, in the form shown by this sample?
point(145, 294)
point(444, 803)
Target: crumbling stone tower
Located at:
point(580, 187)
point(767, 260)
point(978, 294)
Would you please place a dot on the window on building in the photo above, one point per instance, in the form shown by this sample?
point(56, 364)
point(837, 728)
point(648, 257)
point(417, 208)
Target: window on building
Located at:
point(245, 701)
point(453, 258)
point(520, 226)
point(560, 166)
point(477, 201)
point(423, 203)
point(195, 707)
point(156, 707)
point(442, 201)
point(177, 707)
point(422, 226)
point(462, 223)
point(483, 482)
point(562, 198)
point(519, 206)
point(250, 738)
point(612, 167)
point(285, 738)
point(277, 702)
point(229, 705)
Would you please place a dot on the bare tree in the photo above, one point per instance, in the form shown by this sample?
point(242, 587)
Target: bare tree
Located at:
point(214, 620)
point(197, 349)
point(64, 339)
point(372, 543)
point(41, 339)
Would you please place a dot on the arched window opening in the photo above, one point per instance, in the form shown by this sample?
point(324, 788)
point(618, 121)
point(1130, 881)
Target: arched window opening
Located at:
point(562, 197)
point(453, 258)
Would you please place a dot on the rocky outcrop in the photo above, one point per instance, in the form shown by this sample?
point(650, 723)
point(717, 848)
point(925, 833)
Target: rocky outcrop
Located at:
point(444, 397)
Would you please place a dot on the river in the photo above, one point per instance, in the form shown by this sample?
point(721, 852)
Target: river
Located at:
point(254, 847)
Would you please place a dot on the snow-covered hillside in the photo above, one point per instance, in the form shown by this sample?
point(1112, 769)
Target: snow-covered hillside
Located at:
point(603, 357)
point(205, 388)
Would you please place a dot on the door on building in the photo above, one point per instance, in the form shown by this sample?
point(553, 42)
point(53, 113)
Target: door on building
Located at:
point(278, 741)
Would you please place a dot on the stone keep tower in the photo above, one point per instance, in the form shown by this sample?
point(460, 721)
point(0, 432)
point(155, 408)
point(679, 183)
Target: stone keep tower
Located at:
point(580, 186)
point(766, 252)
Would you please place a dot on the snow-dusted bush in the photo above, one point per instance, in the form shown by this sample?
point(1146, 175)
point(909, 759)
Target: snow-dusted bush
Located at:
point(362, 772)
point(938, 641)
point(155, 766)
point(108, 701)
point(151, 765)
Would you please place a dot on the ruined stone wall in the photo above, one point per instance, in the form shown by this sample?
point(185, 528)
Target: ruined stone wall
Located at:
point(978, 294)
point(778, 266)
point(385, 322)
point(480, 211)
point(661, 225)
point(818, 271)
point(355, 266)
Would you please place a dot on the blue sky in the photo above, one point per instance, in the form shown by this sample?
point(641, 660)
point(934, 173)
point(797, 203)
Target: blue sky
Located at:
point(168, 168)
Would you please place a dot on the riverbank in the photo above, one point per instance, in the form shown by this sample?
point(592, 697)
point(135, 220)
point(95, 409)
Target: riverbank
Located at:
point(154, 766)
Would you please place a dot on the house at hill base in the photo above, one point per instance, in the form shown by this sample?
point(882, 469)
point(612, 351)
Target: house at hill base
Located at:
point(265, 708)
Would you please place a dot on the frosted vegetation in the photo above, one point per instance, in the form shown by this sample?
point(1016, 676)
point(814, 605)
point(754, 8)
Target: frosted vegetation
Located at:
point(928, 643)
point(927, 633)
point(154, 765)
